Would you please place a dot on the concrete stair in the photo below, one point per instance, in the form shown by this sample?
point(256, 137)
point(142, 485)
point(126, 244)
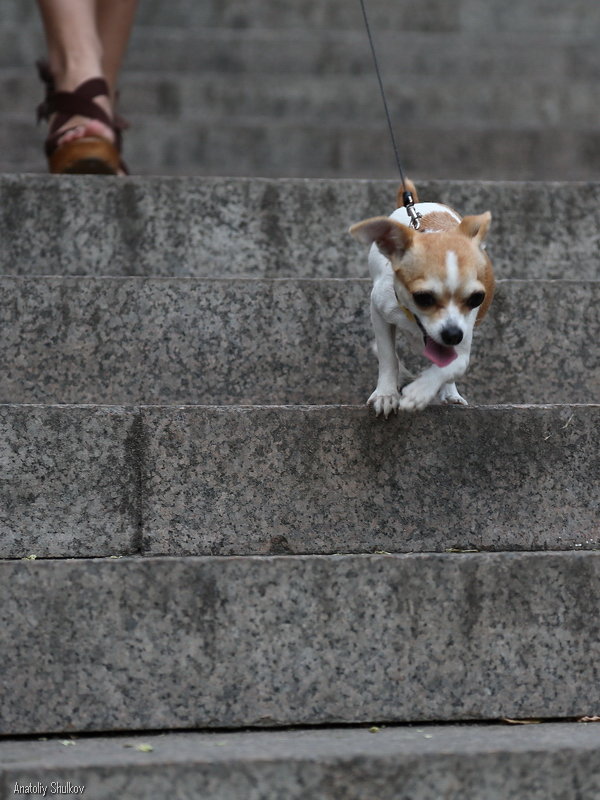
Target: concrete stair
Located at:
point(276, 89)
point(260, 228)
point(159, 340)
point(479, 762)
point(220, 575)
point(185, 480)
point(204, 528)
point(164, 643)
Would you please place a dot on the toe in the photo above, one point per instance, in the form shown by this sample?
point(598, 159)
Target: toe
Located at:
point(85, 128)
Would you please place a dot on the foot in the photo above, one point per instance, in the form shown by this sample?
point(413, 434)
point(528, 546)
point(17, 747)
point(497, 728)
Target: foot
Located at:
point(417, 395)
point(449, 395)
point(67, 80)
point(384, 403)
point(79, 126)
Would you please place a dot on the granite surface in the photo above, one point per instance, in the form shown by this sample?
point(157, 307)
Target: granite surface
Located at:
point(221, 227)
point(102, 481)
point(230, 642)
point(548, 128)
point(312, 149)
point(341, 51)
point(335, 100)
point(68, 481)
point(327, 480)
point(550, 761)
point(436, 16)
point(233, 49)
point(195, 341)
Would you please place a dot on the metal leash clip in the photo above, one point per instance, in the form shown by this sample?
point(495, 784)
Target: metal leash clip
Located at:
point(409, 205)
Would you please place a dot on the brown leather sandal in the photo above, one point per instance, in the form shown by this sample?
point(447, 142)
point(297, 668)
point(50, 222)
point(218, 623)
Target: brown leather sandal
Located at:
point(87, 155)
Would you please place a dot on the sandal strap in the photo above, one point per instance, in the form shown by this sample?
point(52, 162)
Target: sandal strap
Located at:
point(79, 102)
point(66, 104)
point(47, 78)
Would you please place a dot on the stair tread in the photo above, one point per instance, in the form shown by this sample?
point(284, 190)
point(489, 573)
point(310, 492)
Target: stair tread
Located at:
point(233, 480)
point(261, 341)
point(303, 640)
point(483, 762)
point(201, 747)
point(464, 15)
point(264, 147)
point(273, 227)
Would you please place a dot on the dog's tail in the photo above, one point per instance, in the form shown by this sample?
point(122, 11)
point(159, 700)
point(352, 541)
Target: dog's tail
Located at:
point(407, 186)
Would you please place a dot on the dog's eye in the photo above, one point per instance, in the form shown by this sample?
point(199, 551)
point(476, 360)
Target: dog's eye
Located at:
point(424, 299)
point(474, 300)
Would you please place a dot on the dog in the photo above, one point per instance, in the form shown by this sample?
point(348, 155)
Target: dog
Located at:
point(435, 283)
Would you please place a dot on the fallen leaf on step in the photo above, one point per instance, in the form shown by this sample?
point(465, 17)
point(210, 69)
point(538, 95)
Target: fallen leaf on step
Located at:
point(521, 721)
point(589, 719)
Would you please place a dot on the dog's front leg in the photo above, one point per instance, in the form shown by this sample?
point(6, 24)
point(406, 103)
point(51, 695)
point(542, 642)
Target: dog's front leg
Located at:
point(424, 389)
point(386, 397)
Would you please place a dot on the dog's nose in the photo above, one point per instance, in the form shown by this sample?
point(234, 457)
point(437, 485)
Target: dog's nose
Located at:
point(452, 335)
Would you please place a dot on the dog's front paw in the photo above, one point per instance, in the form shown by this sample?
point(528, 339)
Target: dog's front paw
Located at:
point(415, 397)
point(384, 403)
point(449, 395)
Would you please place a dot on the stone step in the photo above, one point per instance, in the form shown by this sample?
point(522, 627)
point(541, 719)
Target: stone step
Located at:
point(430, 55)
point(447, 133)
point(214, 96)
point(218, 642)
point(264, 342)
point(470, 16)
point(70, 480)
point(216, 227)
point(101, 481)
point(549, 761)
point(433, 55)
point(499, 133)
point(269, 147)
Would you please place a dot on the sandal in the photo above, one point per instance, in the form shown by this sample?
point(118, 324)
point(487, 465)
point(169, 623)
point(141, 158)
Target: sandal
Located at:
point(89, 154)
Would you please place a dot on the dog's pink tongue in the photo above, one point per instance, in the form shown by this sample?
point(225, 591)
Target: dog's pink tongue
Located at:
point(439, 353)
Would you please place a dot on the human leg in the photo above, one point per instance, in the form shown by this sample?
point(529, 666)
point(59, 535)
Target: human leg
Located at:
point(86, 40)
point(114, 21)
point(74, 56)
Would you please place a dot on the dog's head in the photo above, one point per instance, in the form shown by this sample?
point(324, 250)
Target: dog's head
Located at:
point(444, 279)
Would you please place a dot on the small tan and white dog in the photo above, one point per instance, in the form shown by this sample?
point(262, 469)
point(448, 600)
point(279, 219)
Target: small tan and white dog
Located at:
point(435, 284)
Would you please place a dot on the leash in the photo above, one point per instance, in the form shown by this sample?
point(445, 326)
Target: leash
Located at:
point(407, 197)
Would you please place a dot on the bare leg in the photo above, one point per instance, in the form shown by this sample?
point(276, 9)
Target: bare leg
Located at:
point(114, 21)
point(87, 39)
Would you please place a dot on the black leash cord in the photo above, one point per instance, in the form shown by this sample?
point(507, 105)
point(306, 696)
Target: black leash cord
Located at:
point(383, 97)
point(407, 197)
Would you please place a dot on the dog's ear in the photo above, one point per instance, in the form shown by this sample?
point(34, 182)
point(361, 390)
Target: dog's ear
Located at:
point(476, 227)
point(391, 237)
